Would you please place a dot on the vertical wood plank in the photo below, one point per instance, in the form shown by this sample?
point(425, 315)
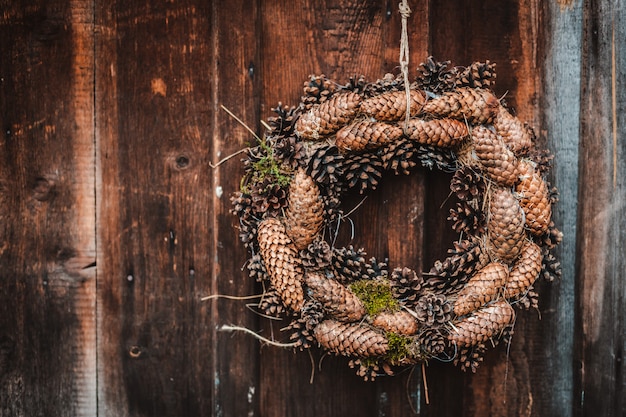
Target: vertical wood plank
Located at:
point(560, 105)
point(157, 232)
point(601, 311)
point(47, 209)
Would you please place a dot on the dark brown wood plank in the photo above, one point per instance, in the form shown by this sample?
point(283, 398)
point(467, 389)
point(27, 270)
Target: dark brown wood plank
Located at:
point(160, 212)
point(47, 201)
point(341, 39)
point(600, 307)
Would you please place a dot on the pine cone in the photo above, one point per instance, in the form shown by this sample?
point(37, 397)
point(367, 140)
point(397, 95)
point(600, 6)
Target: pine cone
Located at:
point(399, 156)
point(256, 269)
point(267, 196)
point(481, 288)
point(366, 134)
point(350, 339)
point(464, 259)
point(482, 325)
point(513, 131)
point(468, 184)
point(406, 285)
point(363, 171)
point(302, 327)
point(271, 304)
point(281, 260)
point(432, 342)
point(442, 133)
point(242, 205)
point(338, 301)
point(524, 272)
point(550, 267)
point(325, 165)
point(305, 213)
point(391, 106)
point(282, 124)
point(317, 90)
point(474, 105)
point(477, 75)
point(399, 322)
point(468, 219)
point(535, 200)
point(318, 255)
point(434, 76)
point(470, 357)
point(348, 264)
point(389, 82)
point(541, 158)
point(326, 118)
point(289, 151)
point(433, 309)
point(498, 161)
point(432, 157)
point(356, 84)
point(248, 233)
point(505, 226)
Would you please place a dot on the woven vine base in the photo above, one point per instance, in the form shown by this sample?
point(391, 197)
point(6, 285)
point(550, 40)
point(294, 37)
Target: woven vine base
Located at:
point(343, 137)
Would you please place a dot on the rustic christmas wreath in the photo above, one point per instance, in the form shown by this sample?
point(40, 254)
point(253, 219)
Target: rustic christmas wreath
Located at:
point(343, 137)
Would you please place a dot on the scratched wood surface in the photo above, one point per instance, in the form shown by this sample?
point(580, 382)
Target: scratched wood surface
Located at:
point(115, 221)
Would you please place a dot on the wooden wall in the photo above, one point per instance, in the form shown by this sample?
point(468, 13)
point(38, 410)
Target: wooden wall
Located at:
point(113, 223)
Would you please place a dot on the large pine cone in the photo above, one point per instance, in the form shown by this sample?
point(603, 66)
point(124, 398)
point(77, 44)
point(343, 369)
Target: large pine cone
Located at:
point(505, 226)
point(443, 133)
point(474, 105)
point(498, 161)
point(481, 288)
point(483, 324)
point(281, 260)
point(338, 301)
point(512, 130)
point(366, 134)
point(349, 339)
point(525, 271)
point(400, 322)
point(535, 199)
point(328, 117)
point(305, 213)
point(391, 106)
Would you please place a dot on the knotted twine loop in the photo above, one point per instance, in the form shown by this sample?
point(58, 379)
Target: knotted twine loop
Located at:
point(405, 12)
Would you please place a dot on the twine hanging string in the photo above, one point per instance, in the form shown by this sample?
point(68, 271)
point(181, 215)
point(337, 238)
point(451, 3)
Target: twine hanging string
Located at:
point(405, 12)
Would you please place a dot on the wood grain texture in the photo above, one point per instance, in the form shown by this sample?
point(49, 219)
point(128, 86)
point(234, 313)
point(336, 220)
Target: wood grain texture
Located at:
point(47, 220)
point(601, 323)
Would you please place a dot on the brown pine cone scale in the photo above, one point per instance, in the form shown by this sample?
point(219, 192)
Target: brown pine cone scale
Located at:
point(349, 339)
point(497, 160)
point(328, 117)
point(338, 301)
point(391, 106)
point(525, 271)
point(400, 322)
point(481, 288)
point(442, 133)
point(366, 134)
point(471, 104)
point(483, 324)
point(505, 226)
point(305, 213)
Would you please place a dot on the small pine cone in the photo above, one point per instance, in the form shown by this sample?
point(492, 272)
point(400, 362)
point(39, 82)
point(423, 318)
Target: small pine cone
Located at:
point(325, 165)
point(505, 226)
point(483, 324)
point(348, 264)
point(534, 199)
point(305, 212)
point(551, 238)
point(466, 218)
point(282, 124)
point(281, 260)
point(356, 84)
point(512, 130)
point(499, 162)
point(432, 342)
point(366, 369)
point(541, 158)
point(242, 205)
point(433, 309)
point(363, 171)
point(399, 156)
point(474, 105)
point(434, 76)
point(406, 285)
point(464, 259)
point(524, 272)
point(433, 157)
point(318, 255)
point(400, 322)
point(481, 288)
point(267, 196)
point(550, 266)
point(271, 303)
point(302, 327)
point(442, 133)
point(391, 106)
point(256, 269)
point(470, 357)
point(349, 339)
point(477, 75)
point(248, 233)
point(317, 90)
point(374, 269)
point(366, 134)
point(328, 117)
point(289, 151)
point(467, 184)
point(338, 301)
point(530, 299)
point(389, 82)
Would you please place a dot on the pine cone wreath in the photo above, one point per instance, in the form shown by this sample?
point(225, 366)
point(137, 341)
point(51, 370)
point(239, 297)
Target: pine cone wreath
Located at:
point(347, 136)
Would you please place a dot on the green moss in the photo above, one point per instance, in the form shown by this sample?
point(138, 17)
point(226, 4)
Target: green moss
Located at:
point(376, 295)
point(399, 347)
point(267, 167)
